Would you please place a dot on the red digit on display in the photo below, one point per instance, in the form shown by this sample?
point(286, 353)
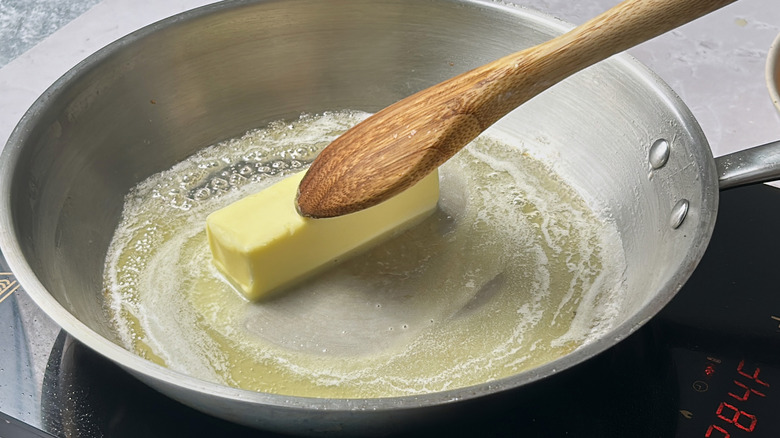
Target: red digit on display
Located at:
point(744, 396)
point(736, 415)
point(713, 428)
point(753, 376)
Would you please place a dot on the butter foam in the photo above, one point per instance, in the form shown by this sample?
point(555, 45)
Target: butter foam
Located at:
point(512, 271)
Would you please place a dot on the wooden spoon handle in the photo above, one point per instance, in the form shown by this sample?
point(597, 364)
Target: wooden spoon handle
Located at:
point(396, 147)
point(527, 73)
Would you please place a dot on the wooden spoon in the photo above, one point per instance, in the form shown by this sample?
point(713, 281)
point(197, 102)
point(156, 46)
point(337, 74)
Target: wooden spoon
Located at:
point(399, 145)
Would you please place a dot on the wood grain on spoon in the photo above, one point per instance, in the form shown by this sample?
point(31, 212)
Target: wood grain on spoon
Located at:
point(396, 147)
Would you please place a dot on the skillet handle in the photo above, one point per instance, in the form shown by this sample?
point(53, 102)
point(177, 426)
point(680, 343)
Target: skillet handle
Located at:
point(750, 166)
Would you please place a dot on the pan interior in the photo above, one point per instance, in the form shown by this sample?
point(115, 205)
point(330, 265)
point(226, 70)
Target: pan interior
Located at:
point(512, 271)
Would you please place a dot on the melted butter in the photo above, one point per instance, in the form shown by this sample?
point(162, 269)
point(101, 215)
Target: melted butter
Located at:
point(512, 271)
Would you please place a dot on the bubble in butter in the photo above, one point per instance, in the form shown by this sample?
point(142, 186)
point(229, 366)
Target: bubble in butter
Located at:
point(512, 270)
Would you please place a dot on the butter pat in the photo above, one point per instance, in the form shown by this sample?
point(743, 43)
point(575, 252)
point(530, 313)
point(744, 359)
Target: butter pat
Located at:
point(261, 243)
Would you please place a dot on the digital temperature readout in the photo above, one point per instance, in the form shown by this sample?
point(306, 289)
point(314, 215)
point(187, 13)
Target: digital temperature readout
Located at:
point(736, 412)
point(725, 398)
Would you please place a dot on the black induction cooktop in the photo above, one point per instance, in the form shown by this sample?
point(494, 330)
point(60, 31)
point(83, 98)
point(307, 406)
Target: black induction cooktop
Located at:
point(707, 366)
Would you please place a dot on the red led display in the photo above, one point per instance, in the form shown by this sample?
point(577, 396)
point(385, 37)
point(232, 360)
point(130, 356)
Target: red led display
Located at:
point(746, 393)
point(754, 376)
point(720, 430)
point(731, 412)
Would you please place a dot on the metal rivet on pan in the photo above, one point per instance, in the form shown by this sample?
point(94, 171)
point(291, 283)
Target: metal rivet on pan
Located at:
point(679, 211)
point(659, 153)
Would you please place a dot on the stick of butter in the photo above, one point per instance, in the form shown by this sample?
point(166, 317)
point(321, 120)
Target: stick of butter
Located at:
point(261, 243)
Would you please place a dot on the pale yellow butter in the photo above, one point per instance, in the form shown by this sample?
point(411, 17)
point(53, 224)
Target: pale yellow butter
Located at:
point(261, 243)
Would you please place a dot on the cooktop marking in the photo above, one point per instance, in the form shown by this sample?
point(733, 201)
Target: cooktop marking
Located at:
point(8, 285)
